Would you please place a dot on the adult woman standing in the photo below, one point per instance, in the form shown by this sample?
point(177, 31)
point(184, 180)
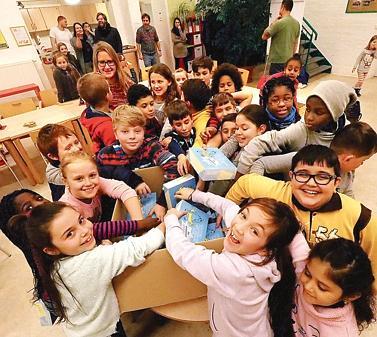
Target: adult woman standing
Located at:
point(83, 49)
point(106, 62)
point(179, 39)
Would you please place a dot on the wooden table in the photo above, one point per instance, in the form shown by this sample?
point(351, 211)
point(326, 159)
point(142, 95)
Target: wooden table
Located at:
point(15, 130)
point(18, 90)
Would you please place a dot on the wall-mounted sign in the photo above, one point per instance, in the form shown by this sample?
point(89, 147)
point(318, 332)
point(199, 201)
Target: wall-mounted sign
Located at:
point(361, 6)
point(3, 42)
point(21, 36)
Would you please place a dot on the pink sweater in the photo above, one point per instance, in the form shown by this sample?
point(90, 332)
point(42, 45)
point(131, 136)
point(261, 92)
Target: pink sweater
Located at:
point(310, 320)
point(238, 290)
point(93, 211)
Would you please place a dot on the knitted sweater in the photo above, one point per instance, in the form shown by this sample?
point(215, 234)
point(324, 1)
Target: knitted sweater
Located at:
point(238, 289)
point(88, 276)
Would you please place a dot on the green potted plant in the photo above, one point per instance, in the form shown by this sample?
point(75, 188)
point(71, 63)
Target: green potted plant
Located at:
point(234, 29)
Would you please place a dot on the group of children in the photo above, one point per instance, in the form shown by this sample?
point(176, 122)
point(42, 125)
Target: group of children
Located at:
point(266, 281)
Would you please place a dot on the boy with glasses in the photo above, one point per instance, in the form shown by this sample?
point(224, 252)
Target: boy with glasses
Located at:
point(324, 213)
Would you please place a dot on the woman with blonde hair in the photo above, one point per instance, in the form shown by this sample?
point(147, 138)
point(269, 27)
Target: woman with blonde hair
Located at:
point(106, 62)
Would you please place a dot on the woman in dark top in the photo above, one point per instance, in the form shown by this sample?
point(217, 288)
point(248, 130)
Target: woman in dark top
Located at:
point(83, 49)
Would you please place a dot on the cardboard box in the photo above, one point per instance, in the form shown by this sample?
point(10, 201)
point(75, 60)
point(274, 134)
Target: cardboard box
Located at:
point(198, 51)
point(211, 164)
point(159, 281)
point(197, 39)
point(171, 187)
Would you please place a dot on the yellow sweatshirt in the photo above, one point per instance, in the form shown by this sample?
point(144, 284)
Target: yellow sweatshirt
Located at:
point(200, 119)
point(335, 219)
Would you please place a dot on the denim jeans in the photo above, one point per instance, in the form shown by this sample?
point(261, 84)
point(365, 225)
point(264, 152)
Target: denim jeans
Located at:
point(150, 60)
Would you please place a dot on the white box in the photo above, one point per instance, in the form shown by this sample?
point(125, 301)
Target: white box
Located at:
point(198, 51)
point(197, 39)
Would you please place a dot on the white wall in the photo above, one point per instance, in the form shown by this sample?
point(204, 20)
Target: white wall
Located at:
point(10, 16)
point(341, 36)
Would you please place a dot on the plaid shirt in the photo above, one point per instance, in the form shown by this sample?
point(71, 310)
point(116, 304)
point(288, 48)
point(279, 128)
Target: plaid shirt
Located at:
point(151, 153)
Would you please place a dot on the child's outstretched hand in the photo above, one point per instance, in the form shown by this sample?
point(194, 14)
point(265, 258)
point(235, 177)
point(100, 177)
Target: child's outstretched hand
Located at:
point(147, 223)
point(166, 141)
point(207, 134)
point(183, 165)
point(159, 211)
point(184, 193)
point(177, 213)
point(142, 189)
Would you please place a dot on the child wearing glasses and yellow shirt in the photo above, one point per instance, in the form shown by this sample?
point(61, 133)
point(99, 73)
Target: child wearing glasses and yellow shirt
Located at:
point(323, 213)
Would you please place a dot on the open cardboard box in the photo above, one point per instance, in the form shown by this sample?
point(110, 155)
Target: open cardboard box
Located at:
point(159, 280)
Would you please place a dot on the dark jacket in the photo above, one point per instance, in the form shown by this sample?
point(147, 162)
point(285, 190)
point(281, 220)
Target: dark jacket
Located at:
point(110, 35)
point(178, 144)
point(66, 85)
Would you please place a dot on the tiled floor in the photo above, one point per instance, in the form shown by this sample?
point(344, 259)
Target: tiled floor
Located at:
point(20, 319)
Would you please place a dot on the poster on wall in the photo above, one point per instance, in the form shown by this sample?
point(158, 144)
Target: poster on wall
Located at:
point(361, 6)
point(21, 36)
point(3, 42)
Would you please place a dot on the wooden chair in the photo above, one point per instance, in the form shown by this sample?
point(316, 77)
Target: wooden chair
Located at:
point(244, 75)
point(3, 159)
point(144, 73)
point(17, 107)
point(48, 97)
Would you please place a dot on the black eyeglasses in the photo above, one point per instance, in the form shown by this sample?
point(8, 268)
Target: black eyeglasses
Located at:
point(110, 63)
point(320, 178)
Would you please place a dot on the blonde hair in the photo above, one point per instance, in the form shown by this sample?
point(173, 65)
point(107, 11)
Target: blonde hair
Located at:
point(70, 158)
point(128, 115)
point(121, 77)
point(181, 70)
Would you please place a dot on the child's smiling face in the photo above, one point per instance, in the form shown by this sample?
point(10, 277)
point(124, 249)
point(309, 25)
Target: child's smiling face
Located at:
point(130, 137)
point(159, 84)
point(318, 288)
point(224, 109)
point(249, 232)
point(226, 84)
point(280, 101)
point(71, 234)
point(312, 195)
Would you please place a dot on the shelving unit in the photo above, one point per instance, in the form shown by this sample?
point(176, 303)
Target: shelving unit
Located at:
point(195, 41)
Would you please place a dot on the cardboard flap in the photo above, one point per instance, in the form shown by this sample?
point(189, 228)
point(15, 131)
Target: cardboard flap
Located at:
point(159, 281)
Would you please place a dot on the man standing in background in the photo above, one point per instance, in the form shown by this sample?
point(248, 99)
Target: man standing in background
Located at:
point(60, 33)
point(147, 42)
point(284, 33)
point(104, 32)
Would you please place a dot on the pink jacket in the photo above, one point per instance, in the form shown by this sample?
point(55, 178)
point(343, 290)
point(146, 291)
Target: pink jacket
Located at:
point(93, 211)
point(238, 290)
point(310, 320)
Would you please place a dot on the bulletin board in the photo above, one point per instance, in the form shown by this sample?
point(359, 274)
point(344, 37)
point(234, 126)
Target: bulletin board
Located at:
point(361, 6)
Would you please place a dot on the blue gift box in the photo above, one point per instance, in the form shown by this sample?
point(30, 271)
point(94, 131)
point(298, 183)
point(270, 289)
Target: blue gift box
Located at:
point(194, 223)
point(147, 202)
point(171, 187)
point(211, 164)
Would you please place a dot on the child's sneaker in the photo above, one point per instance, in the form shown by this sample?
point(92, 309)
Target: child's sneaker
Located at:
point(357, 91)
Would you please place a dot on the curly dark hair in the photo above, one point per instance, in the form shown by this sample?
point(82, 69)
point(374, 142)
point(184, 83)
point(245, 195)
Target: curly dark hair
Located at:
point(226, 69)
point(271, 84)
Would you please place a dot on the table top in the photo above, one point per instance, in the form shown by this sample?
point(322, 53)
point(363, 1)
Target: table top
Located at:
point(55, 114)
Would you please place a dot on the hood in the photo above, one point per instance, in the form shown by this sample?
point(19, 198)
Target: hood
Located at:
point(267, 275)
point(337, 96)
